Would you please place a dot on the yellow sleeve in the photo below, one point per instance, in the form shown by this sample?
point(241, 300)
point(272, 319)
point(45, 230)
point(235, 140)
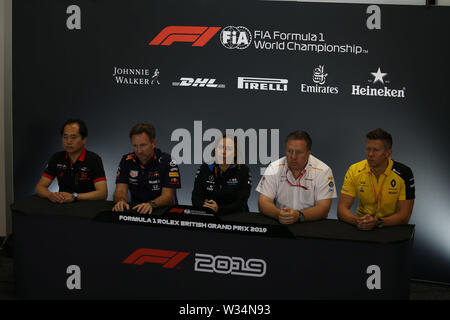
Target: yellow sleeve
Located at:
point(348, 187)
point(402, 194)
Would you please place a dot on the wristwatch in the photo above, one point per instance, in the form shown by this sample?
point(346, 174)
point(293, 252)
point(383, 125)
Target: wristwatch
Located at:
point(153, 204)
point(380, 223)
point(301, 217)
point(75, 196)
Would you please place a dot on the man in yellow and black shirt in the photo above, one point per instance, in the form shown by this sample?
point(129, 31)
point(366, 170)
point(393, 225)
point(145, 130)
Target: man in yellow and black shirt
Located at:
point(385, 187)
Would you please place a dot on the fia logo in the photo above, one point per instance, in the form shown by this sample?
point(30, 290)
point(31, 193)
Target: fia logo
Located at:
point(235, 37)
point(319, 76)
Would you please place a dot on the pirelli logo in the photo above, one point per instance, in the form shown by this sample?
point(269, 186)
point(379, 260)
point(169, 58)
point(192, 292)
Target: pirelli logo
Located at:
point(198, 36)
point(266, 84)
point(168, 259)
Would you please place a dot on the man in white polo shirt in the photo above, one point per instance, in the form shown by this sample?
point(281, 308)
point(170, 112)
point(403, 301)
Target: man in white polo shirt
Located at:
point(298, 187)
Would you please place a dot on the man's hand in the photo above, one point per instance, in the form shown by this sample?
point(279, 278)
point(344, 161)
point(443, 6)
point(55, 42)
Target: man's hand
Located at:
point(211, 204)
point(288, 216)
point(144, 208)
point(56, 197)
point(67, 197)
point(366, 222)
point(121, 206)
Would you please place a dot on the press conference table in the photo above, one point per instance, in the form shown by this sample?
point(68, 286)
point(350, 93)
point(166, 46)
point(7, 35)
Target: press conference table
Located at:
point(83, 250)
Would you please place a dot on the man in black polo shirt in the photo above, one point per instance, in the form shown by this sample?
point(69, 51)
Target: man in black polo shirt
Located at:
point(79, 172)
point(149, 174)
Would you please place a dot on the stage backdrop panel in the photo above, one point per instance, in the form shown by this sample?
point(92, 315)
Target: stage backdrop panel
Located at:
point(266, 68)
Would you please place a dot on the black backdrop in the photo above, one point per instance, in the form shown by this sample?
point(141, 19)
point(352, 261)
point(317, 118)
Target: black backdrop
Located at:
point(61, 73)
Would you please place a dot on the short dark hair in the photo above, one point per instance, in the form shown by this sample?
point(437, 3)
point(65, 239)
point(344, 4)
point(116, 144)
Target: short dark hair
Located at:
point(300, 135)
point(380, 134)
point(143, 127)
point(82, 129)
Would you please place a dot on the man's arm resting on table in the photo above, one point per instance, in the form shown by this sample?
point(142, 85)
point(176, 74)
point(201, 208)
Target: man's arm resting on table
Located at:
point(120, 198)
point(267, 207)
point(100, 193)
point(43, 192)
point(121, 192)
point(402, 216)
point(366, 222)
point(42, 187)
point(344, 206)
point(319, 211)
point(166, 198)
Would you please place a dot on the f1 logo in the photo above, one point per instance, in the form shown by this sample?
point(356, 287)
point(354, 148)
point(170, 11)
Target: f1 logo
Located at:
point(198, 35)
point(168, 259)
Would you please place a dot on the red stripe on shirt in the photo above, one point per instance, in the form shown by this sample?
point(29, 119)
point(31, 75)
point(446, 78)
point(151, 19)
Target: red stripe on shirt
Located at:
point(48, 176)
point(100, 179)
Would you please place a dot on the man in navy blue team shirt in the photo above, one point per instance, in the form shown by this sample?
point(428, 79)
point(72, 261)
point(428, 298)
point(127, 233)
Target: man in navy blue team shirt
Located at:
point(149, 174)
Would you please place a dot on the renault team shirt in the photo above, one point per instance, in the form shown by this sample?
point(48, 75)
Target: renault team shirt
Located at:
point(379, 198)
point(78, 177)
point(315, 183)
point(145, 182)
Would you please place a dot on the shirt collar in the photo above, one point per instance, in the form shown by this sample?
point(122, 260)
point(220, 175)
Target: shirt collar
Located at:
point(82, 155)
point(305, 169)
point(389, 167)
point(154, 158)
point(80, 158)
point(212, 167)
point(386, 172)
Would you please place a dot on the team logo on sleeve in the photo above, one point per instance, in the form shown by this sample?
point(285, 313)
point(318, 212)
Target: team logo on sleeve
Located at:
point(153, 174)
point(331, 185)
point(197, 173)
point(173, 163)
point(261, 182)
point(133, 173)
